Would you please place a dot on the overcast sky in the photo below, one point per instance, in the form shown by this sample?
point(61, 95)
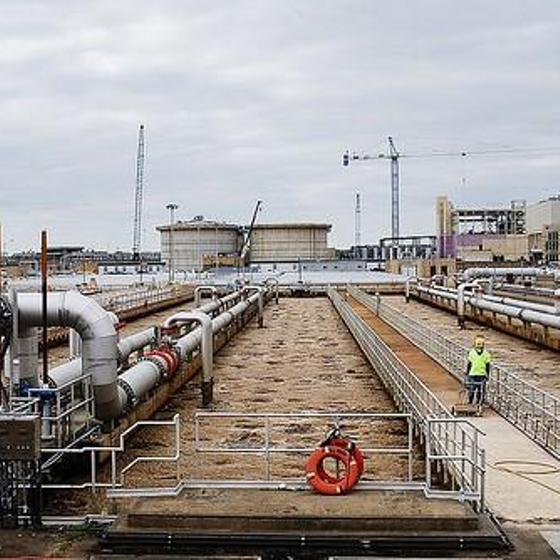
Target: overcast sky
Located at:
point(258, 99)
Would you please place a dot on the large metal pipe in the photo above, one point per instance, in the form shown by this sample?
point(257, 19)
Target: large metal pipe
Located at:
point(408, 281)
point(99, 340)
point(276, 283)
point(206, 347)
point(516, 311)
point(64, 373)
point(447, 294)
point(260, 291)
point(471, 273)
point(136, 342)
point(137, 381)
point(68, 371)
point(461, 301)
point(541, 307)
point(141, 378)
point(199, 290)
point(27, 352)
point(527, 315)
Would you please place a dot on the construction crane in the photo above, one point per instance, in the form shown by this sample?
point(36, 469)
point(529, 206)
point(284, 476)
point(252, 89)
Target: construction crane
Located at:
point(394, 155)
point(138, 197)
point(357, 224)
point(247, 243)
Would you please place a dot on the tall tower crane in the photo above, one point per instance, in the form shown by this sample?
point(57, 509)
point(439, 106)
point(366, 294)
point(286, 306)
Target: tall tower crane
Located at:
point(138, 196)
point(357, 225)
point(394, 155)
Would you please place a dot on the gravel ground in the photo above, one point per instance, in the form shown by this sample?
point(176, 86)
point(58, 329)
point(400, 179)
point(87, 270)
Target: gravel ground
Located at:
point(532, 362)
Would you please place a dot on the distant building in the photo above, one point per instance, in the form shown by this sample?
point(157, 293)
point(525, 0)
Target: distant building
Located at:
point(482, 234)
point(129, 266)
point(69, 259)
point(543, 227)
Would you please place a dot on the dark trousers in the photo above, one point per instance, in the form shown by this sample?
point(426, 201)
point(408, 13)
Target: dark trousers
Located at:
point(476, 385)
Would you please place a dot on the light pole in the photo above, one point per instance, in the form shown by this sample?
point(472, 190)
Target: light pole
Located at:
point(171, 207)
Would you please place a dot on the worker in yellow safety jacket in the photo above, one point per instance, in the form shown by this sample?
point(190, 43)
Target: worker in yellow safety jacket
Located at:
point(478, 370)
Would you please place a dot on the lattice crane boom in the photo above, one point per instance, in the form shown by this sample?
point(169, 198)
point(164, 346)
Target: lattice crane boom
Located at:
point(138, 195)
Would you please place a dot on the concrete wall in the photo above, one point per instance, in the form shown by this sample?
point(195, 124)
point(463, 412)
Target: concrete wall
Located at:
point(285, 242)
point(191, 241)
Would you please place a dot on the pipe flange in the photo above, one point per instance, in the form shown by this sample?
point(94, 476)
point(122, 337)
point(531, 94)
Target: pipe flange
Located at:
point(158, 361)
point(130, 396)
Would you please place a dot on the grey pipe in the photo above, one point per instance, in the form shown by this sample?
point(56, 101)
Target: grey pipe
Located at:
point(260, 291)
point(200, 289)
point(437, 292)
point(138, 380)
point(99, 340)
point(206, 347)
point(68, 371)
point(276, 283)
point(136, 342)
point(541, 307)
point(409, 279)
point(461, 301)
point(471, 273)
point(28, 351)
point(74, 344)
point(514, 311)
point(527, 315)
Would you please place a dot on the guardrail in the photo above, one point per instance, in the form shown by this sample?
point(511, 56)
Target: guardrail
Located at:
point(136, 298)
point(534, 411)
point(450, 442)
point(116, 477)
point(272, 430)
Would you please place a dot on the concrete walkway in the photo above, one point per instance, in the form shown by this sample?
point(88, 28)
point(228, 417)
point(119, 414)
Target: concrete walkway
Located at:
point(520, 497)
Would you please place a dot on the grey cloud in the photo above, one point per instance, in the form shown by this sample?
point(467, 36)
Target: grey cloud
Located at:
point(258, 99)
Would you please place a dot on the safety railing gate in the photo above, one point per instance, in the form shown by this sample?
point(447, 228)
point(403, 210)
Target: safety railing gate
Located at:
point(297, 435)
point(534, 411)
point(451, 444)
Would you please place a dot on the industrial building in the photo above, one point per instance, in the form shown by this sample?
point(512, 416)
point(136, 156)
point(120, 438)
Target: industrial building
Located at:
point(543, 226)
point(184, 245)
point(482, 234)
point(289, 242)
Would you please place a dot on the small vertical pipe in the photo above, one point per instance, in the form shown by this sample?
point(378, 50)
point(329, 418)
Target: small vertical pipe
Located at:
point(44, 305)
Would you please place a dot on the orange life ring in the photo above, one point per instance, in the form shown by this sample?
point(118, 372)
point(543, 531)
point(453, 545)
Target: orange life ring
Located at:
point(352, 448)
point(315, 471)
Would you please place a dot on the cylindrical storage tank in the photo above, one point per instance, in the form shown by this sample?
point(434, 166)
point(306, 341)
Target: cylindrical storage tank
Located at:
point(289, 242)
point(189, 244)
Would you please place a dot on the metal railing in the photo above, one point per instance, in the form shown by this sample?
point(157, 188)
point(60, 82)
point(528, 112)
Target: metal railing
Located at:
point(534, 411)
point(117, 478)
point(272, 429)
point(450, 442)
point(135, 298)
